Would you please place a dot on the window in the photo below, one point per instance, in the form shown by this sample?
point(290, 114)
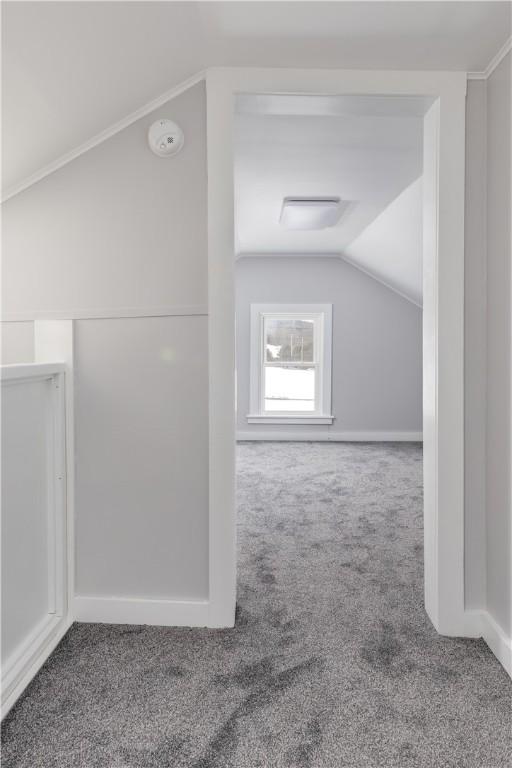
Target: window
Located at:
point(291, 363)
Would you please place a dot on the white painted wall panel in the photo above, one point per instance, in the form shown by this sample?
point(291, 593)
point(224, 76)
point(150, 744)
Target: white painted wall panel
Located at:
point(25, 466)
point(377, 349)
point(17, 342)
point(118, 227)
point(142, 457)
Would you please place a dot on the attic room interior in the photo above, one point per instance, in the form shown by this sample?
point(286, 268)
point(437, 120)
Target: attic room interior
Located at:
point(255, 384)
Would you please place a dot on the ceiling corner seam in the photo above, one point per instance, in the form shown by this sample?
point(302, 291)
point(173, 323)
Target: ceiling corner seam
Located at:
point(380, 280)
point(493, 64)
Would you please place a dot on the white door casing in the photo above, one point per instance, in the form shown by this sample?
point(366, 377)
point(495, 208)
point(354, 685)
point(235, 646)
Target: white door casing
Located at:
point(443, 427)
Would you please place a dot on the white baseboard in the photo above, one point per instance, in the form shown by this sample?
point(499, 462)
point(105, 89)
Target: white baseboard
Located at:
point(16, 676)
point(126, 610)
point(497, 640)
point(467, 625)
point(335, 437)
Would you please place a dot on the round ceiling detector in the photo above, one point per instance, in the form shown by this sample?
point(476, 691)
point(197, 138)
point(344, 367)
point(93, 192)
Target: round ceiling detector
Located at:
point(165, 138)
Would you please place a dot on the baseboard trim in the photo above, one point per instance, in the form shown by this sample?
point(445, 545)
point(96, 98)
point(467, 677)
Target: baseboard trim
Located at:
point(325, 436)
point(15, 680)
point(126, 610)
point(497, 640)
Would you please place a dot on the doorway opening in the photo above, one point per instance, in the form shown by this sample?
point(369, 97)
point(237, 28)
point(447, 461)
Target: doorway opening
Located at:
point(328, 291)
point(442, 319)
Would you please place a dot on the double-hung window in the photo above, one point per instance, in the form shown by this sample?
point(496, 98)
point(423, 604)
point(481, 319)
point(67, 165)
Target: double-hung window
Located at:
point(291, 363)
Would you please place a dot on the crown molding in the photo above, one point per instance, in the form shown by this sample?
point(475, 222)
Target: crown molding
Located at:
point(495, 62)
point(99, 138)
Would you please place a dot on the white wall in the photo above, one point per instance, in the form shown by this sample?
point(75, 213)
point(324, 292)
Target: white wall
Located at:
point(120, 233)
point(498, 488)
point(17, 342)
point(377, 369)
point(141, 426)
point(118, 228)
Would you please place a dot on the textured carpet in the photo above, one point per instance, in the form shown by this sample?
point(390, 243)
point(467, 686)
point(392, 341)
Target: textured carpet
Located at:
point(333, 661)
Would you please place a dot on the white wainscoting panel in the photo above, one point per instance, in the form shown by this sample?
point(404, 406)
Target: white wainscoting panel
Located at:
point(142, 461)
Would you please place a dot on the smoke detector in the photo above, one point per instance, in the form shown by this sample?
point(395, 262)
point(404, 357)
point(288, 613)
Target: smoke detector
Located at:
point(165, 138)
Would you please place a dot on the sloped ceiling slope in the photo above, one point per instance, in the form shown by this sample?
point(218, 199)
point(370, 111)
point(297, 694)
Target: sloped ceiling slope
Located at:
point(72, 69)
point(364, 158)
point(364, 150)
point(391, 247)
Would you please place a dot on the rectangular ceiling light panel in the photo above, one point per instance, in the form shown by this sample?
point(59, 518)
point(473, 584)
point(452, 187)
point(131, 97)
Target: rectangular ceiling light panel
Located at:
point(312, 212)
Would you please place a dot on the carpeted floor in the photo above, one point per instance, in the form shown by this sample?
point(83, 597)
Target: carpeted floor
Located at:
point(333, 661)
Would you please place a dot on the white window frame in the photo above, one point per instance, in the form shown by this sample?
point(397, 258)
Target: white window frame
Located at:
point(322, 315)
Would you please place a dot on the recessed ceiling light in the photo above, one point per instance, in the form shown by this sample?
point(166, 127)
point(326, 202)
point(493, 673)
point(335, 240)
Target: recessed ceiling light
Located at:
point(312, 212)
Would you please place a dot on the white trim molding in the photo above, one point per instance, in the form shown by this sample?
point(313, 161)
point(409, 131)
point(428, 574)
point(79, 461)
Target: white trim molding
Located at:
point(107, 313)
point(35, 652)
point(480, 623)
point(443, 359)
point(497, 640)
point(443, 311)
point(332, 437)
point(136, 610)
point(21, 371)
point(221, 355)
point(99, 138)
point(494, 62)
point(54, 340)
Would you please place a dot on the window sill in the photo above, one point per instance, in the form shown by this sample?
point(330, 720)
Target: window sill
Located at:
point(292, 419)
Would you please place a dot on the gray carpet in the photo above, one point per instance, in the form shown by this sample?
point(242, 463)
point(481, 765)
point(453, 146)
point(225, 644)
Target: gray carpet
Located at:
point(333, 661)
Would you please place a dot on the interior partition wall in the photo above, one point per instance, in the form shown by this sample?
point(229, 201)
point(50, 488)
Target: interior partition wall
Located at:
point(114, 242)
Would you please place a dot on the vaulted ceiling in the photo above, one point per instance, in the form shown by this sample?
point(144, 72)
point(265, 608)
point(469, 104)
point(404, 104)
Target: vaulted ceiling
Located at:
point(390, 249)
point(71, 69)
point(364, 150)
